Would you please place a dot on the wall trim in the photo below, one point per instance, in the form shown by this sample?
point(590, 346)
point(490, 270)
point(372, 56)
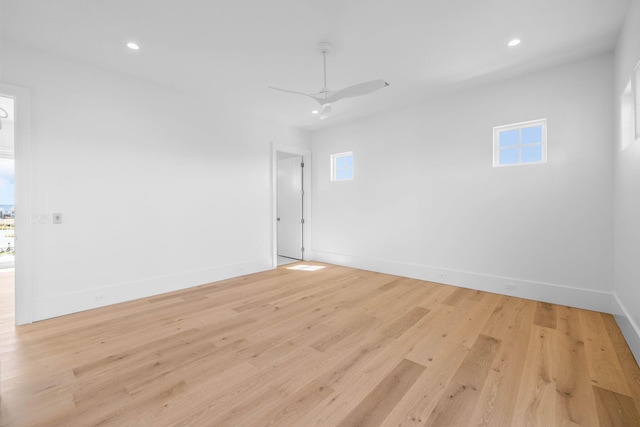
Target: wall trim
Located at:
point(62, 304)
point(556, 294)
point(628, 327)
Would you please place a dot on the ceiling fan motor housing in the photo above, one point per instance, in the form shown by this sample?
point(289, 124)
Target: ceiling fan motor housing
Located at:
point(325, 48)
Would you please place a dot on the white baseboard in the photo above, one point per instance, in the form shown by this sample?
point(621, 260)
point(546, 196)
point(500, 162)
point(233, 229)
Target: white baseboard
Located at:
point(59, 305)
point(545, 292)
point(629, 328)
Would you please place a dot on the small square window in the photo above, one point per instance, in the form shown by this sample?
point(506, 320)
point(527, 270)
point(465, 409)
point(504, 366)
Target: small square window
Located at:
point(520, 143)
point(342, 166)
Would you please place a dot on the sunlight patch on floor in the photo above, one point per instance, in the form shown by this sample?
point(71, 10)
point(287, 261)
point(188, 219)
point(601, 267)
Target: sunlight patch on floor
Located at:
point(306, 267)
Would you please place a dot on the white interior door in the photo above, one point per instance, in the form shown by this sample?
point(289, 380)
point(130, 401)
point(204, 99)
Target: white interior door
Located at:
point(289, 210)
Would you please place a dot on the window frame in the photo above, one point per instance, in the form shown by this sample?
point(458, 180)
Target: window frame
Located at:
point(627, 116)
point(334, 166)
point(635, 83)
point(519, 126)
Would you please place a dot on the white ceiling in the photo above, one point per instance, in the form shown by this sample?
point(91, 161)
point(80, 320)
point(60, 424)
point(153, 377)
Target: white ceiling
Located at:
point(231, 50)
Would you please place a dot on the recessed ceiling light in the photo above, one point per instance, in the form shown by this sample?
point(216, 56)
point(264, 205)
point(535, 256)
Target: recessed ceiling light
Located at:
point(133, 46)
point(315, 112)
point(514, 42)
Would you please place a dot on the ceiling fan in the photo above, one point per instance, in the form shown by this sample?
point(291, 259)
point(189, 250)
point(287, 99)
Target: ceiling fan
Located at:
point(326, 96)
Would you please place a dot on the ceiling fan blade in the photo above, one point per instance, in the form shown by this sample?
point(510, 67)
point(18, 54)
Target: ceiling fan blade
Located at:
point(357, 90)
point(314, 96)
point(325, 111)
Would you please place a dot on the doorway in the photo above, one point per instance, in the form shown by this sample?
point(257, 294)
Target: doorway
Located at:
point(7, 209)
point(290, 207)
point(291, 196)
point(20, 152)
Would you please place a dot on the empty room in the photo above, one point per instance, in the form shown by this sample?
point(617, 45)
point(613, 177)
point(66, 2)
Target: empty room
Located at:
point(319, 213)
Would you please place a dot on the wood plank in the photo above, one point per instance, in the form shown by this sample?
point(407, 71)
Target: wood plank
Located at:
point(416, 407)
point(400, 326)
point(353, 356)
point(476, 316)
point(225, 403)
point(615, 409)
point(461, 395)
point(536, 402)
point(575, 402)
point(376, 406)
point(625, 357)
point(356, 382)
point(459, 295)
point(604, 366)
point(510, 322)
point(437, 327)
point(290, 410)
point(414, 292)
point(545, 315)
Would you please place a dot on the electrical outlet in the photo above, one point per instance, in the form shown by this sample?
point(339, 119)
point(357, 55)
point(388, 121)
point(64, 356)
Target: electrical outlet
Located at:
point(510, 285)
point(443, 275)
point(100, 297)
point(57, 218)
point(41, 219)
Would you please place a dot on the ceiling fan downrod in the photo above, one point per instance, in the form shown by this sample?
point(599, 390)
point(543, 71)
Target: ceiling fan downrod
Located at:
point(325, 48)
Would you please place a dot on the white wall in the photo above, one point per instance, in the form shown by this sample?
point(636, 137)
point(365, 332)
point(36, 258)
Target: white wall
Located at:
point(158, 189)
point(627, 191)
point(426, 201)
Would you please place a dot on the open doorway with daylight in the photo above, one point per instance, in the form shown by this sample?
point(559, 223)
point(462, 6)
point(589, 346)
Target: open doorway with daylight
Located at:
point(290, 207)
point(7, 207)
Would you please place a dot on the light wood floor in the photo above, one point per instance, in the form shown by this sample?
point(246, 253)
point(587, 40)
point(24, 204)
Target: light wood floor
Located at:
point(332, 347)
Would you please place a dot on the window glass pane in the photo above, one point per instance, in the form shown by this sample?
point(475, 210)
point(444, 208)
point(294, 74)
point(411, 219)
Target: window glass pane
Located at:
point(341, 161)
point(509, 156)
point(349, 160)
point(346, 173)
point(509, 138)
point(532, 153)
point(532, 134)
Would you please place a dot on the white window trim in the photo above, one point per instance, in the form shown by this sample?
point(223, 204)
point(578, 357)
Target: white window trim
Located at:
point(636, 100)
point(333, 160)
point(627, 117)
point(530, 123)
